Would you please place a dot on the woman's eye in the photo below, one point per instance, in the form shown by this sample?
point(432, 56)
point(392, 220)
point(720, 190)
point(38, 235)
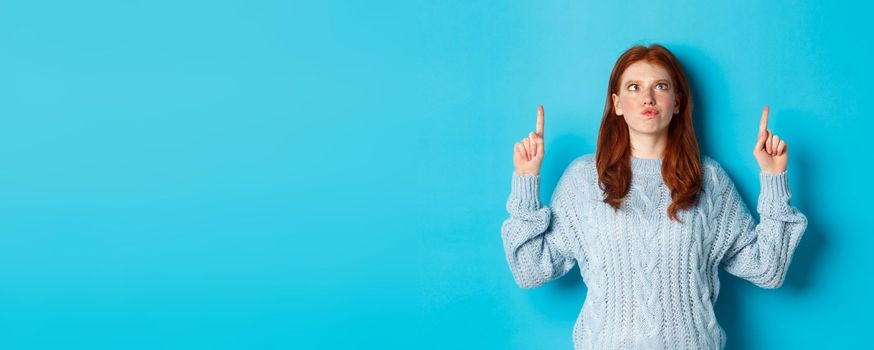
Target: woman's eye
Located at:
point(632, 87)
point(662, 86)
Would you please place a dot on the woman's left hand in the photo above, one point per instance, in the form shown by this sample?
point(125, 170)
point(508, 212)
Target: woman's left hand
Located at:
point(771, 152)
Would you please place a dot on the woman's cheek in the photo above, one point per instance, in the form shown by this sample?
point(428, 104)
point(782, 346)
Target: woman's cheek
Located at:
point(667, 100)
point(665, 96)
point(627, 103)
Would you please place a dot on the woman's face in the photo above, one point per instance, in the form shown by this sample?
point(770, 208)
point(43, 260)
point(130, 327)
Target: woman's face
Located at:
point(646, 98)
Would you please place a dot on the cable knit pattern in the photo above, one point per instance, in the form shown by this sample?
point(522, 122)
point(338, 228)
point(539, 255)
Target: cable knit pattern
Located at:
point(652, 282)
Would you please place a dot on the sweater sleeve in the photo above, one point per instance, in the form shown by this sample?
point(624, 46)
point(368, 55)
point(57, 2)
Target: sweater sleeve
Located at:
point(537, 238)
point(761, 253)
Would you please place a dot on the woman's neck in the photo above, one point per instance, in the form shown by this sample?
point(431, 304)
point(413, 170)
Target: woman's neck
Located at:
point(648, 146)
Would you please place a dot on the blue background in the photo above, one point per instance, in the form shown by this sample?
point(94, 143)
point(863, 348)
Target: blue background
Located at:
point(277, 175)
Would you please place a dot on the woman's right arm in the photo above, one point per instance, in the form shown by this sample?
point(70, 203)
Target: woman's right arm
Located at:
point(536, 239)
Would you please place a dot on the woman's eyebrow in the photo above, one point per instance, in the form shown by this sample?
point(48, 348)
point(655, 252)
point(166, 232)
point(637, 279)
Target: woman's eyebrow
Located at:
point(657, 81)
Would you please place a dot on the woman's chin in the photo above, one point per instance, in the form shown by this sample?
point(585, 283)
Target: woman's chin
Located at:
point(650, 130)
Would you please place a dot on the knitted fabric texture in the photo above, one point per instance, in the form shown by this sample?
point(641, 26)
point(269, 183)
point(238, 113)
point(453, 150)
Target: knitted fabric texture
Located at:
point(652, 282)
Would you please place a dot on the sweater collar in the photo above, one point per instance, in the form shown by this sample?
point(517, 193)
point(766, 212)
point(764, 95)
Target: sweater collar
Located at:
point(646, 166)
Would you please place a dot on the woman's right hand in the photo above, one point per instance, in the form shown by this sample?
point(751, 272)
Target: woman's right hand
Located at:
point(528, 153)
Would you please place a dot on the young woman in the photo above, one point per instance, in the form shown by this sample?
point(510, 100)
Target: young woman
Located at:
point(647, 218)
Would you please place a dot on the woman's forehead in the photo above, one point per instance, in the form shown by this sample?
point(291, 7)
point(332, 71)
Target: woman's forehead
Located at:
point(645, 71)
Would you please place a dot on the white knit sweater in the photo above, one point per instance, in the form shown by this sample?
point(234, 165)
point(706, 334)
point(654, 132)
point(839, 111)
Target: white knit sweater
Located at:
point(652, 282)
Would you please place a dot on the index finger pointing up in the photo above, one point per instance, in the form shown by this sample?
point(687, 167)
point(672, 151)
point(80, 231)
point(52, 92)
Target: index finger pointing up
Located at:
point(540, 120)
point(763, 125)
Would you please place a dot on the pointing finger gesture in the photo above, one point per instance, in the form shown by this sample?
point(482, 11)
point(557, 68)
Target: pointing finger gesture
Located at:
point(528, 153)
point(770, 151)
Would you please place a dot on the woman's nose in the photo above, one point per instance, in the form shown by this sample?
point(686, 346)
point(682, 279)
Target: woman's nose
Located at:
point(648, 99)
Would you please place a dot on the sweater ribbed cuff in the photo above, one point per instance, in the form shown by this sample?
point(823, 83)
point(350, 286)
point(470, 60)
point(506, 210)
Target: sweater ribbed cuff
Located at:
point(774, 199)
point(525, 192)
point(775, 186)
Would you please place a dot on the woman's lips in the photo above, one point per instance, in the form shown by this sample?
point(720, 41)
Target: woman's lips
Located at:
point(650, 112)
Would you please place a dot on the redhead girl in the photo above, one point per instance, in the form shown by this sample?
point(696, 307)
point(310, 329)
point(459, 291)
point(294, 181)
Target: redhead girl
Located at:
point(647, 218)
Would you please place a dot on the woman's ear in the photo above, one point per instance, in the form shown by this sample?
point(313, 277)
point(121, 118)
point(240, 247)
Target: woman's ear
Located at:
point(616, 106)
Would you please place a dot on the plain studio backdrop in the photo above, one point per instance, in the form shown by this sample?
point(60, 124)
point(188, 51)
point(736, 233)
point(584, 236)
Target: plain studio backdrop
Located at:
point(289, 175)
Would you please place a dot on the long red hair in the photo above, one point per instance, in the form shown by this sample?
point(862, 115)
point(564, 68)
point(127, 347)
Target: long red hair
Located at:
point(681, 163)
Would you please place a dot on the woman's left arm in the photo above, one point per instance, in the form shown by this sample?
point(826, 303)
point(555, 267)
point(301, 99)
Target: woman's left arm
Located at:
point(761, 253)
